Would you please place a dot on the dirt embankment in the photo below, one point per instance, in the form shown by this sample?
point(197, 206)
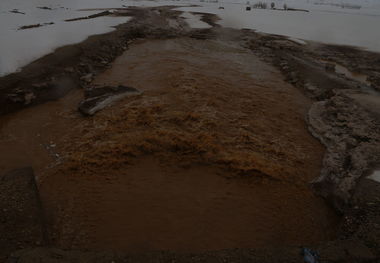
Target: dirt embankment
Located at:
point(345, 117)
point(215, 153)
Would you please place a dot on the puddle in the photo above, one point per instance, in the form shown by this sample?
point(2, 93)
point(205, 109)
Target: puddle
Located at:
point(369, 96)
point(351, 75)
point(342, 70)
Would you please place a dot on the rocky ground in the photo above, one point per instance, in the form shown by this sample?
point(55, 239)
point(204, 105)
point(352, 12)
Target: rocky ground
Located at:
point(234, 126)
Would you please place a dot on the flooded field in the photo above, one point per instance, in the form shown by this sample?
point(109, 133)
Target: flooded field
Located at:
point(334, 26)
point(20, 47)
point(322, 24)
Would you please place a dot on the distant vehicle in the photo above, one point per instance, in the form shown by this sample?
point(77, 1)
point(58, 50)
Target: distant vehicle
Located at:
point(248, 8)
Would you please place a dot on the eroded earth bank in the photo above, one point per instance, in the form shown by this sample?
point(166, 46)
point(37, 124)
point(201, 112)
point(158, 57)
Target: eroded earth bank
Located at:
point(158, 142)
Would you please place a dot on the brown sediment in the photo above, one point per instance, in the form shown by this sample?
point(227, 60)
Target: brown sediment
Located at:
point(214, 154)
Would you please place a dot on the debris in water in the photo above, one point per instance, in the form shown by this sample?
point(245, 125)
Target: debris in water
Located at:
point(99, 98)
point(44, 8)
point(34, 26)
point(105, 13)
point(15, 11)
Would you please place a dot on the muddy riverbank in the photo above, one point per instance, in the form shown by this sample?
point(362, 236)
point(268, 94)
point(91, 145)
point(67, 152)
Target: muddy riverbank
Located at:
point(216, 151)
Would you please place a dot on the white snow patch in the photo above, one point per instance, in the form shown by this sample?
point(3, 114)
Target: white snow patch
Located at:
point(326, 22)
point(323, 23)
point(20, 47)
point(298, 41)
point(194, 20)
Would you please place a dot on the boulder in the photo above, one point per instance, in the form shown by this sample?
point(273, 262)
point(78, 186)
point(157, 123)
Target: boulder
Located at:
point(97, 99)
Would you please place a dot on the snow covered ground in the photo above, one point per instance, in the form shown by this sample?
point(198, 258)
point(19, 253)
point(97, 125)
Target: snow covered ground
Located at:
point(194, 21)
point(325, 23)
point(20, 47)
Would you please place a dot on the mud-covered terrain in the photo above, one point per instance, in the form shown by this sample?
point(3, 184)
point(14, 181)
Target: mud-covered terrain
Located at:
point(201, 145)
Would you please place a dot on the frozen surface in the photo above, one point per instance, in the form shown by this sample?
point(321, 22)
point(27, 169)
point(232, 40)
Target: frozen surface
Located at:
point(20, 47)
point(326, 22)
point(323, 23)
point(375, 176)
point(194, 20)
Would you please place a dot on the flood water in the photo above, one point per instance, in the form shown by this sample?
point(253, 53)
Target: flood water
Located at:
point(330, 25)
point(324, 23)
point(20, 47)
point(204, 103)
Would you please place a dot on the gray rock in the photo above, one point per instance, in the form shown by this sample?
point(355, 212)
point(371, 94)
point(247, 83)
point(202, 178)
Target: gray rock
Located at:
point(87, 78)
point(97, 99)
point(28, 98)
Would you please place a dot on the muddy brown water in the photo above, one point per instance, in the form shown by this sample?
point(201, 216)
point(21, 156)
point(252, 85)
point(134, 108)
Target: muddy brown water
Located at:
point(215, 154)
point(26, 137)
